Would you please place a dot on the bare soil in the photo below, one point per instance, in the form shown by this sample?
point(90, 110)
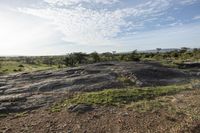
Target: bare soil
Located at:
point(181, 115)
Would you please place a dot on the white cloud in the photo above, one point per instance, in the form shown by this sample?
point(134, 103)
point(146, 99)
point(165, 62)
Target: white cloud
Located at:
point(188, 2)
point(84, 26)
point(196, 17)
point(20, 35)
point(176, 24)
point(91, 25)
point(74, 2)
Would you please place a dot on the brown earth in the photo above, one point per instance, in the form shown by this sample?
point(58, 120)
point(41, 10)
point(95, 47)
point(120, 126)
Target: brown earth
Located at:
point(180, 115)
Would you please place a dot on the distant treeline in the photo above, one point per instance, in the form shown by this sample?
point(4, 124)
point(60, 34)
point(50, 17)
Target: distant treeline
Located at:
point(75, 59)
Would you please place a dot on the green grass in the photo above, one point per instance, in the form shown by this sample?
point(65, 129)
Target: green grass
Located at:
point(144, 106)
point(143, 98)
point(8, 67)
point(118, 97)
point(21, 114)
point(152, 105)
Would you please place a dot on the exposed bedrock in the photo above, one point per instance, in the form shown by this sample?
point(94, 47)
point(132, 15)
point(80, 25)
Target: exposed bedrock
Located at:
point(26, 91)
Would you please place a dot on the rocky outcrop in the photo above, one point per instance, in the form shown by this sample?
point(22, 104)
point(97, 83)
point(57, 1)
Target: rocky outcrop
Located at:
point(25, 91)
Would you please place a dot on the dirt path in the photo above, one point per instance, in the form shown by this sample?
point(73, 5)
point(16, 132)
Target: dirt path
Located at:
point(181, 114)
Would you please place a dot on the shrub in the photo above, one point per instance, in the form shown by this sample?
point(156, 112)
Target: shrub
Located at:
point(21, 65)
point(95, 56)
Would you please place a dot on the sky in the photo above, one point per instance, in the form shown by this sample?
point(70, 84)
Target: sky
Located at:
point(56, 27)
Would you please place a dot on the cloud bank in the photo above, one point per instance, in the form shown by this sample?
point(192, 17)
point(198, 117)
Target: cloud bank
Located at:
point(83, 25)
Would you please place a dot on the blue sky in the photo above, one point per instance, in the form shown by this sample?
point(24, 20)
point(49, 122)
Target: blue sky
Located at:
point(53, 27)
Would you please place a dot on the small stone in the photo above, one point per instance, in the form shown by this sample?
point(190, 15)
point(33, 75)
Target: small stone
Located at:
point(125, 114)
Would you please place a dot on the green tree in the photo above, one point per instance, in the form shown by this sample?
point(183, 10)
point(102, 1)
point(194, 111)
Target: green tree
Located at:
point(69, 60)
point(122, 57)
point(108, 56)
point(158, 50)
point(47, 61)
point(184, 50)
point(79, 57)
point(134, 56)
point(75, 59)
point(95, 57)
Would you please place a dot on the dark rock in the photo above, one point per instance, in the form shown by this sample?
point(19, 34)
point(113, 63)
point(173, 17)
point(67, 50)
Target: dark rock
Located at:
point(80, 108)
point(189, 65)
point(3, 110)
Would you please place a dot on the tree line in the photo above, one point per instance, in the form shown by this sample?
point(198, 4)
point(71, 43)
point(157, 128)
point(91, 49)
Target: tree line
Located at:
point(77, 58)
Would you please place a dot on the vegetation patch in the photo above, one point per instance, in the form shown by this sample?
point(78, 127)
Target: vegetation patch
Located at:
point(124, 96)
point(22, 114)
point(56, 108)
point(145, 106)
point(126, 80)
point(3, 115)
point(173, 58)
point(118, 97)
point(7, 67)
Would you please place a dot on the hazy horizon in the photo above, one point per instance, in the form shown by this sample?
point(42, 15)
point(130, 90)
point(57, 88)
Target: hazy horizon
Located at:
point(57, 27)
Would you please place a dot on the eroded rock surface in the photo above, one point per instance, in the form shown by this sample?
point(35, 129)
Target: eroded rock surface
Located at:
point(25, 91)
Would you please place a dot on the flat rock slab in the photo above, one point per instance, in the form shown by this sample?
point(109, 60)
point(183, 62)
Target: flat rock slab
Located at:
point(25, 91)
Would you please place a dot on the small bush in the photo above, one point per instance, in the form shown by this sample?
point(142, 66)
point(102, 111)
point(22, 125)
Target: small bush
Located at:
point(15, 70)
point(5, 70)
point(21, 65)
